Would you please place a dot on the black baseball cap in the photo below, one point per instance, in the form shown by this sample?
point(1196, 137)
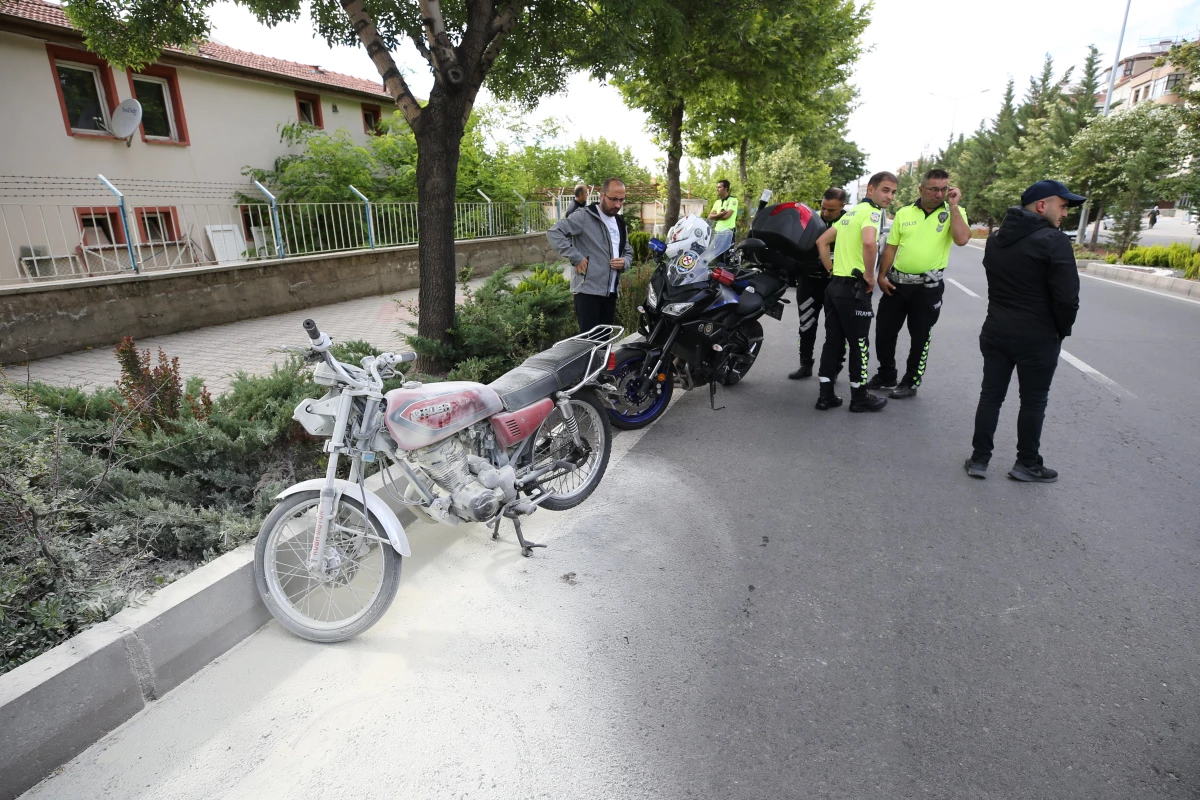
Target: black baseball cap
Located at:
point(1043, 189)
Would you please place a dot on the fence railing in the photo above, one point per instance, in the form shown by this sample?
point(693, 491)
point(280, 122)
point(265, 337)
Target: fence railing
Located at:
point(127, 235)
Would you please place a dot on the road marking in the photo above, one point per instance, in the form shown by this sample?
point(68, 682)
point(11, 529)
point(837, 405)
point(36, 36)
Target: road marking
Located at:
point(1140, 288)
point(980, 246)
point(1099, 377)
point(965, 289)
point(626, 440)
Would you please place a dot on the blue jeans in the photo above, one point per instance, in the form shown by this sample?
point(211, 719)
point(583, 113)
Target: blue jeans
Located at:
point(1034, 362)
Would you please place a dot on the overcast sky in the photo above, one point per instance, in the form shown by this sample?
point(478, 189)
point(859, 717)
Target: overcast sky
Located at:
point(954, 50)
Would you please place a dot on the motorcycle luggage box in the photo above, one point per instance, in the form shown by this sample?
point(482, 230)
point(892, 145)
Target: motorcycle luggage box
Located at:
point(791, 228)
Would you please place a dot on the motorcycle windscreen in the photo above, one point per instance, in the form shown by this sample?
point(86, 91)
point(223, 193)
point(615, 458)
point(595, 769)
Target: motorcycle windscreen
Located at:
point(690, 267)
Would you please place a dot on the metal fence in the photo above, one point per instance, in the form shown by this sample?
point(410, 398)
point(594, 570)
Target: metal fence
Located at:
point(101, 227)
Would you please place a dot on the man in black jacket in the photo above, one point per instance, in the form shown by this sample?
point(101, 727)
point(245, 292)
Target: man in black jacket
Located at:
point(1033, 297)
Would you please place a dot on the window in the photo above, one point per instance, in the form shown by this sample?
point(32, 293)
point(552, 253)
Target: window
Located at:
point(1135, 96)
point(100, 227)
point(157, 89)
point(1173, 81)
point(1129, 67)
point(308, 109)
point(372, 115)
point(85, 89)
point(1160, 86)
point(158, 224)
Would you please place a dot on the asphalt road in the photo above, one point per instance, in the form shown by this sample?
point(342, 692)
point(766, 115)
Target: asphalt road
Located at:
point(770, 602)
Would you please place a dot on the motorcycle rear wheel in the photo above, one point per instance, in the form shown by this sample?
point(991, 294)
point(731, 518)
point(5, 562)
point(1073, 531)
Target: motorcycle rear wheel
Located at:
point(638, 412)
point(354, 591)
point(553, 441)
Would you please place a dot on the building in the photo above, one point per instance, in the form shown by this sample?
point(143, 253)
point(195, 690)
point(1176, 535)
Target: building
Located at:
point(207, 115)
point(1139, 81)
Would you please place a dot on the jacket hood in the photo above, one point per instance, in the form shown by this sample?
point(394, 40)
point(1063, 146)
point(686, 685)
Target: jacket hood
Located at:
point(1017, 224)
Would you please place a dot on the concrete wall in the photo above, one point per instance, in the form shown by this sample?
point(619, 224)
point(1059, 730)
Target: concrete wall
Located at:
point(49, 319)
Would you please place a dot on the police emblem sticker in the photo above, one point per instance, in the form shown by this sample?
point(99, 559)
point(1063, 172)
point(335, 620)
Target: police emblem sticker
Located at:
point(687, 260)
point(942, 217)
point(874, 216)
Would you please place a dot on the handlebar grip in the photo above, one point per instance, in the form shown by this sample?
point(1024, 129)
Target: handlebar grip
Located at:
point(311, 329)
point(405, 358)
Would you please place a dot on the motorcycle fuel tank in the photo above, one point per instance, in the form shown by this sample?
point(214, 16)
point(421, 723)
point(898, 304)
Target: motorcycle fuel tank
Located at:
point(421, 416)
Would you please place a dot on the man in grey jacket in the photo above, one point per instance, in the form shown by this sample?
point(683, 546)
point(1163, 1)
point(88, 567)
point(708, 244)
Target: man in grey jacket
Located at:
point(596, 243)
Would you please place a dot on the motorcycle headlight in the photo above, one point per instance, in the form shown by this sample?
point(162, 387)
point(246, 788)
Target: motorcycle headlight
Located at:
point(675, 309)
point(652, 297)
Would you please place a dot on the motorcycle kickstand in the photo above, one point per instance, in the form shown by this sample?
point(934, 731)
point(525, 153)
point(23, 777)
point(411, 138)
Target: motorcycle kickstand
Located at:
point(712, 396)
point(526, 545)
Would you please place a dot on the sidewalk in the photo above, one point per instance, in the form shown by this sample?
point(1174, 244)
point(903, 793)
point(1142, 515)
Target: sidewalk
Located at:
point(217, 353)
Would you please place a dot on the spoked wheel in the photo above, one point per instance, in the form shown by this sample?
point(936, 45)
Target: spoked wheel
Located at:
point(357, 581)
point(554, 442)
point(752, 335)
point(637, 402)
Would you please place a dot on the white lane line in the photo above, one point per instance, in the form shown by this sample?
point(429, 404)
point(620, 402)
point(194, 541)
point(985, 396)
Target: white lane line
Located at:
point(1140, 288)
point(1079, 364)
point(1095, 374)
point(979, 246)
point(626, 440)
point(965, 289)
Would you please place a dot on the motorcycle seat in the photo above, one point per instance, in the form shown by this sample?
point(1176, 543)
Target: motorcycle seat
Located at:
point(561, 367)
point(749, 303)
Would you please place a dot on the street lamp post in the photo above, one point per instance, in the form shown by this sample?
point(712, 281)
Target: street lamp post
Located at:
point(954, 107)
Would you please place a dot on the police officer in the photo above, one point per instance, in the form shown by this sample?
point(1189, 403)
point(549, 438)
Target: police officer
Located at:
point(910, 277)
point(810, 292)
point(725, 210)
point(848, 299)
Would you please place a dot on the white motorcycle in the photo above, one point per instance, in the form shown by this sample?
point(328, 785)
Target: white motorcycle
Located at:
point(327, 559)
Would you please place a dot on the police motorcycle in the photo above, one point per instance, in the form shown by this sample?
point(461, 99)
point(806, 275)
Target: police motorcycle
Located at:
point(700, 320)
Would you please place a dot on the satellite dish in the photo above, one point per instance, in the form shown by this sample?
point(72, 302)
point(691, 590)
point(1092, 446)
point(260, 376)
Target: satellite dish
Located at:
point(126, 118)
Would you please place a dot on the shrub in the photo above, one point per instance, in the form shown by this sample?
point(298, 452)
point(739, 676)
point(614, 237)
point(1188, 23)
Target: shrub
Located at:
point(1133, 257)
point(543, 277)
point(633, 293)
point(1193, 270)
point(1111, 258)
point(1179, 256)
point(640, 242)
point(496, 328)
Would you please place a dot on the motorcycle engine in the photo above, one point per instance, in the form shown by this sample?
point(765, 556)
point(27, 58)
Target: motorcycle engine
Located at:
point(477, 489)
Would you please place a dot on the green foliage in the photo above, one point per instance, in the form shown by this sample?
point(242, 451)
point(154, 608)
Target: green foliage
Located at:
point(1175, 256)
point(1193, 270)
point(543, 278)
point(793, 174)
point(640, 242)
point(1134, 257)
point(1111, 258)
point(634, 286)
point(496, 327)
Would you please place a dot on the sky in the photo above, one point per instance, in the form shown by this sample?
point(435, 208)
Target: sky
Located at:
point(975, 49)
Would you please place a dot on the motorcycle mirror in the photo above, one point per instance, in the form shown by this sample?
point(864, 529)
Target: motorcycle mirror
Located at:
point(658, 246)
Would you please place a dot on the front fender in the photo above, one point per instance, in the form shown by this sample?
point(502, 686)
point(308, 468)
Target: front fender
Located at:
point(387, 517)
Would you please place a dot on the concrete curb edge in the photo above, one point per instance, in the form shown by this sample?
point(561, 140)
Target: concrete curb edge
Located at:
point(1162, 283)
point(62, 702)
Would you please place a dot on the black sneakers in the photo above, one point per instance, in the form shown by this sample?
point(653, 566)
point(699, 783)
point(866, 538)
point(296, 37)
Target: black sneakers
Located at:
point(882, 380)
point(1032, 474)
point(902, 391)
point(827, 399)
point(976, 469)
point(862, 400)
point(805, 371)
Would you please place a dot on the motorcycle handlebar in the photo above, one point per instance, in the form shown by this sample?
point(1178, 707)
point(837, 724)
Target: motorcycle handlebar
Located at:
point(406, 358)
point(311, 329)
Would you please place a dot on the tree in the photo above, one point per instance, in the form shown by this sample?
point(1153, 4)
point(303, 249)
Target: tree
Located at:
point(794, 174)
point(1145, 157)
point(593, 161)
point(464, 43)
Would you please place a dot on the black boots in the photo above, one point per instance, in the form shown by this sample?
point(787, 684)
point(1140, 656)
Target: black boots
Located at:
point(862, 400)
point(827, 399)
point(805, 370)
point(883, 380)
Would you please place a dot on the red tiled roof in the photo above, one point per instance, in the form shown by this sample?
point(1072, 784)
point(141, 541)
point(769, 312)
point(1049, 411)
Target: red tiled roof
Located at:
point(51, 14)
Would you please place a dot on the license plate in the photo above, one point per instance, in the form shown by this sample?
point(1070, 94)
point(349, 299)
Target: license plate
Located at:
point(776, 311)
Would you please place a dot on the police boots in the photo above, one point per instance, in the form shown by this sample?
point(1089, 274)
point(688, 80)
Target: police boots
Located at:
point(805, 370)
point(827, 399)
point(862, 400)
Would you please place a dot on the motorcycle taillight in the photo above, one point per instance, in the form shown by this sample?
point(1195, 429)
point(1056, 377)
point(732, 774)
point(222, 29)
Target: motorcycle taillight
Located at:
point(723, 276)
point(612, 361)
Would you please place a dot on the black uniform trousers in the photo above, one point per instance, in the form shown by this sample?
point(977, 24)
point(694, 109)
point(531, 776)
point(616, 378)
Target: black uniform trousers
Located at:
point(1034, 362)
point(918, 304)
point(810, 299)
point(847, 322)
point(593, 309)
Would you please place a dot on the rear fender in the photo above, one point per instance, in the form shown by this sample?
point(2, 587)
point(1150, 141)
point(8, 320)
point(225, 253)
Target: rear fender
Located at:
point(387, 517)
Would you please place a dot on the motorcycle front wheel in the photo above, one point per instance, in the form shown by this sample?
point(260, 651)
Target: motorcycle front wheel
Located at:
point(358, 579)
point(637, 405)
point(553, 442)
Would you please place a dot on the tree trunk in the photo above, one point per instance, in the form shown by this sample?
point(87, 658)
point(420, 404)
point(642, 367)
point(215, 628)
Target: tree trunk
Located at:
point(674, 154)
point(1096, 227)
point(744, 223)
point(439, 133)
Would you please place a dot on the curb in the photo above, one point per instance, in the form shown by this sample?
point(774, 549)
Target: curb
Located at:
point(1162, 283)
point(62, 702)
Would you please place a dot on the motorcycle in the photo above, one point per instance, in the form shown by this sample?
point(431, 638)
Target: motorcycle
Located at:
point(327, 559)
point(700, 320)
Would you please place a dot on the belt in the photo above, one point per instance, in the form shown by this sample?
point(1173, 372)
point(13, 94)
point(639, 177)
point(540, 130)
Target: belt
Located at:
point(843, 279)
point(931, 278)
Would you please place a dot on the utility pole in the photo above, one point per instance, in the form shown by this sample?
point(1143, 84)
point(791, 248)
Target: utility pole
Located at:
point(1112, 80)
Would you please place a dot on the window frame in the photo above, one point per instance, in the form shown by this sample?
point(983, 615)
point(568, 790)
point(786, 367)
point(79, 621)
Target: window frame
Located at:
point(1173, 82)
point(313, 100)
point(169, 77)
point(105, 84)
point(371, 130)
point(111, 214)
point(168, 214)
